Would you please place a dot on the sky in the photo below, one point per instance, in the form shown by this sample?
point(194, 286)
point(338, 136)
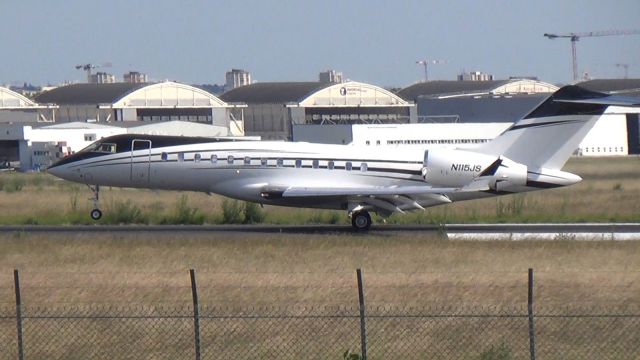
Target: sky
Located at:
point(372, 41)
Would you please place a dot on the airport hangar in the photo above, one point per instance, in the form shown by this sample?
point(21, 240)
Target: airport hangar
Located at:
point(274, 109)
point(463, 113)
point(443, 122)
point(79, 114)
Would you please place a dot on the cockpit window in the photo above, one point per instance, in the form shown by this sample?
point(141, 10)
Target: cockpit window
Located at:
point(106, 148)
point(101, 148)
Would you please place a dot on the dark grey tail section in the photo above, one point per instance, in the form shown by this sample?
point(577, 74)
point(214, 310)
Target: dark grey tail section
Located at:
point(549, 134)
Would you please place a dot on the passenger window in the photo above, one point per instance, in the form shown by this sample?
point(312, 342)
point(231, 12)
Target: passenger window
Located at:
point(164, 156)
point(214, 159)
point(298, 163)
point(280, 163)
point(247, 160)
point(315, 164)
point(330, 165)
point(180, 157)
point(230, 159)
point(348, 166)
point(197, 158)
point(363, 167)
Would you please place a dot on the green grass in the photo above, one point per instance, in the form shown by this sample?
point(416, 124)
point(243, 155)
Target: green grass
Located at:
point(607, 194)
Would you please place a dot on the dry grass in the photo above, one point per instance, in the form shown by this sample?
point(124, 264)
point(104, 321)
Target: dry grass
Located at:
point(293, 269)
point(285, 270)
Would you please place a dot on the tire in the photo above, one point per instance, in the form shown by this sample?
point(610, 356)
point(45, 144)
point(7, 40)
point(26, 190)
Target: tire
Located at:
point(96, 214)
point(361, 221)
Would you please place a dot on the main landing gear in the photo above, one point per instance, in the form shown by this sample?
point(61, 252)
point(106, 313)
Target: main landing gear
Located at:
point(361, 220)
point(96, 214)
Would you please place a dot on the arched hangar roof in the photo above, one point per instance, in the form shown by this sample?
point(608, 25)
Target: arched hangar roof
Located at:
point(452, 88)
point(10, 99)
point(130, 95)
point(314, 94)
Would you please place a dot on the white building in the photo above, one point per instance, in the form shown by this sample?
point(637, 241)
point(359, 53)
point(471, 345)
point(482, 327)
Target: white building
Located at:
point(330, 76)
point(236, 78)
point(40, 146)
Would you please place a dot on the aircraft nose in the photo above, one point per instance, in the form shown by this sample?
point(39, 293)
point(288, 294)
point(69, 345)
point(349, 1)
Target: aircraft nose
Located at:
point(56, 170)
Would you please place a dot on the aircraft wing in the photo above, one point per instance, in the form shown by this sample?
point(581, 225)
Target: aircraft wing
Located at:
point(382, 199)
point(364, 191)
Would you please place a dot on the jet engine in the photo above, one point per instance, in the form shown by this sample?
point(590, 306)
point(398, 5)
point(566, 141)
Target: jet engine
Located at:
point(453, 168)
point(506, 175)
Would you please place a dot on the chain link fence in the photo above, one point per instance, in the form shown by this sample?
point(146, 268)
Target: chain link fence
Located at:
point(198, 331)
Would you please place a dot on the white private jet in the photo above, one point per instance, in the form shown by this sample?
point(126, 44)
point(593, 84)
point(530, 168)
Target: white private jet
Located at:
point(527, 156)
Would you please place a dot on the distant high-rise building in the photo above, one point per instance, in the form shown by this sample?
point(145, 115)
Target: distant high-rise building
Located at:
point(475, 76)
point(330, 76)
point(236, 78)
point(102, 78)
point(135, 77)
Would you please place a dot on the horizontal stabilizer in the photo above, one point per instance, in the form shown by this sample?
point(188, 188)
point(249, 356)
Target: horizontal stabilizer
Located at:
point(612, 100)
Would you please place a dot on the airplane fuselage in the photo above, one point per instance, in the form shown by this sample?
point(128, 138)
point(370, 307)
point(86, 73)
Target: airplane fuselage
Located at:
point(260, 171)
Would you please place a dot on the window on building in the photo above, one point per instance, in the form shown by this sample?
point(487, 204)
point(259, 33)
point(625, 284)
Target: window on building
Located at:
point(164, 156)
point(279, 163)
point(89, 137)
point(247, 160)
point(197, 158)
point(180, 157)
point(230, 159)
point(263, 161)
point(315, 164)
point(214, 159)
point(364, 167)
point(348, 166)
point(298, 163)
point(331, 165)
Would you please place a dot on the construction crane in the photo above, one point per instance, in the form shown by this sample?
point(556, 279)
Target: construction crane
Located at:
point(89, 67)
point(626, 69)
point(574, 37)
point(426, 63)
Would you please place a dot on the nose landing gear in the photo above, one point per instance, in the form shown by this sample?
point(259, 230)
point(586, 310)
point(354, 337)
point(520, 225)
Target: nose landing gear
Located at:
point(361, 220)
point(95, 214)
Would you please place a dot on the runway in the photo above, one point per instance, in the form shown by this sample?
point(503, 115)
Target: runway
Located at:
point(599, 231)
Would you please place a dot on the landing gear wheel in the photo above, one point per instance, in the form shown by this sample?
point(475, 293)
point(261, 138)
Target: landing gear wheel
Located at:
point(361, 220)
point(96, 214)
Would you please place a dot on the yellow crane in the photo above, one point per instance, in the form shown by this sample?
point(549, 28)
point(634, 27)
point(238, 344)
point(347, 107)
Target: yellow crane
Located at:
point(574, 37)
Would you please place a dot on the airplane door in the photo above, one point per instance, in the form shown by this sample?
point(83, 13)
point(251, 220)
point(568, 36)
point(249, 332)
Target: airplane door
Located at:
point(141, 161)
point(424, 164)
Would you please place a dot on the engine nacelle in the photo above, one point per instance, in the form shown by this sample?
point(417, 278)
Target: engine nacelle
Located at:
point(453, 168)
point(508, 175)
point(458, 168)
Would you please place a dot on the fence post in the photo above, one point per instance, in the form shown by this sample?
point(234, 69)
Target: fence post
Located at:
point(363, 329)
point(16, 280)
point(196, 313)
point(532, 333)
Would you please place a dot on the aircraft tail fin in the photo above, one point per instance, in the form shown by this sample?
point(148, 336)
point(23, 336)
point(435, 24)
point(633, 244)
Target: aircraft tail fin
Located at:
point(550, 133)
